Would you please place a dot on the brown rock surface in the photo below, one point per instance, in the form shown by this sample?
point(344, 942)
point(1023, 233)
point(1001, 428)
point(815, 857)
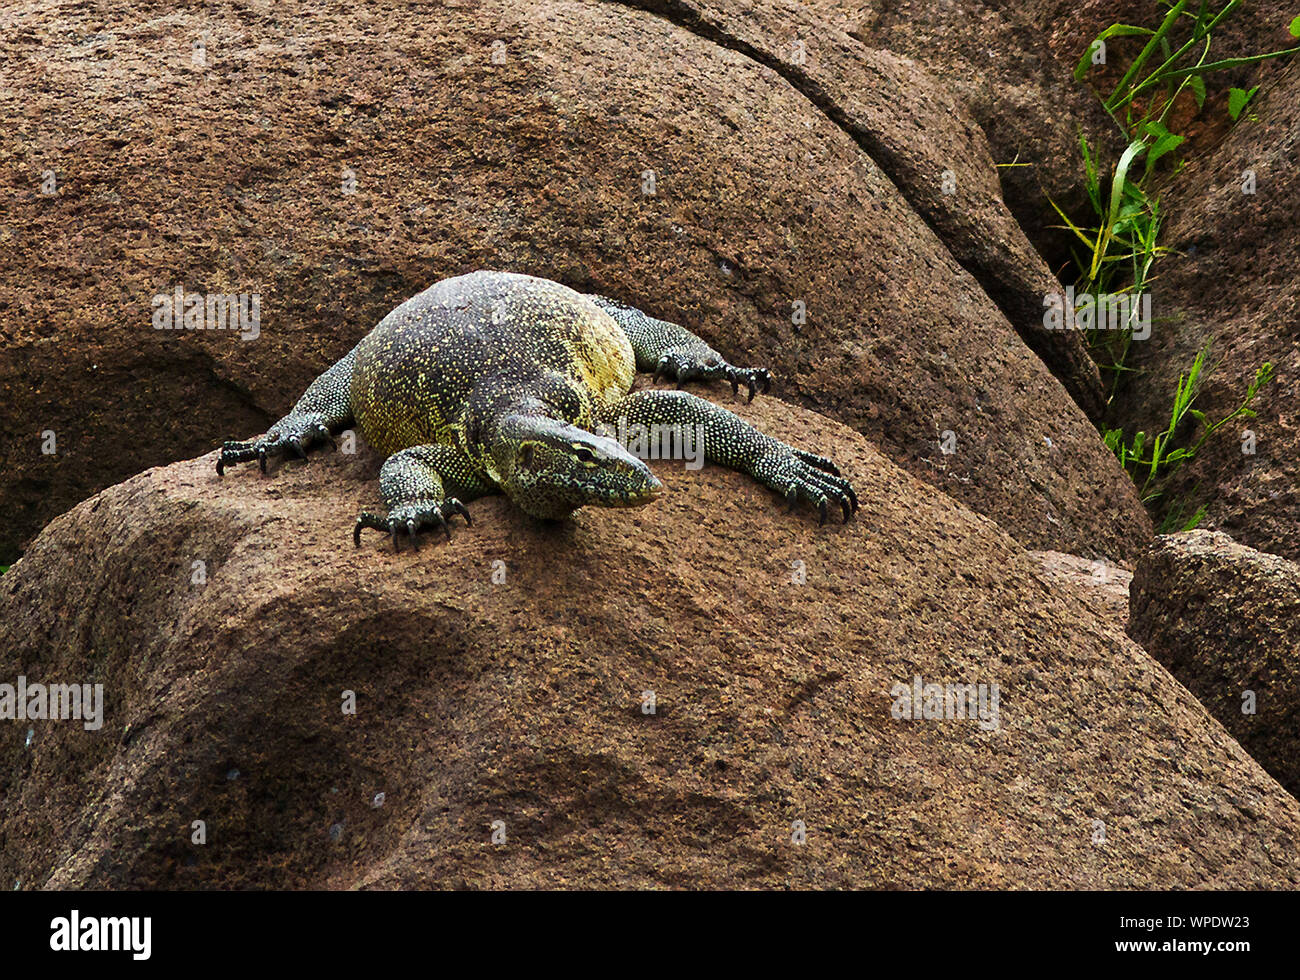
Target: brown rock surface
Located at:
point(920, 133)
point(1103, 587)
point(1225, 620)
point(1011, 65)
point(226, 176)
point(520, 700)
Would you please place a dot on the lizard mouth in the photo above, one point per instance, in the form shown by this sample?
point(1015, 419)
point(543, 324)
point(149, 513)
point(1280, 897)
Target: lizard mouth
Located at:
point(649, 490)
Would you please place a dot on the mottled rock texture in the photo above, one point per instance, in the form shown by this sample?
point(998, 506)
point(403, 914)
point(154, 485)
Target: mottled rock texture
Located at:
point(771, 646)
point(1225, 620)
point(1010, 65)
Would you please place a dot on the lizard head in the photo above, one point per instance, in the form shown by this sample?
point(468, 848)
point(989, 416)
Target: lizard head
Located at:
point(550, 468)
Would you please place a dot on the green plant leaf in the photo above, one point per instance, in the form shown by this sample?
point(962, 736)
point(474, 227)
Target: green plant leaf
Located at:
point(1124, 91)
point(1072, 227)
point(1295, 27)
point(1090, 171)
point(1221, 65)
point(1115, 30)
point(1238, 98)
point(1165, 141)
point(1113, 214)
point(1197, 84)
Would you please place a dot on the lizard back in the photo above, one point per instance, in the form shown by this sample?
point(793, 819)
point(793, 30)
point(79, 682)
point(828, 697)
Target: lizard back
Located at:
point(415, 373)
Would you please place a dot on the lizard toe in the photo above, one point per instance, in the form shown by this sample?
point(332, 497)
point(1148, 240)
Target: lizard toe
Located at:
point(798, 477)
point(411, 518)
point(292, 434)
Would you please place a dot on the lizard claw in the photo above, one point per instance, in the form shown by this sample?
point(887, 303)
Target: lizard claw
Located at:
point(821, 462)
point(677, 367)
point(798, 475)
point(756, 379)
point(411, 517)
point(661, 369)
point(292, 434)
point(681, 367)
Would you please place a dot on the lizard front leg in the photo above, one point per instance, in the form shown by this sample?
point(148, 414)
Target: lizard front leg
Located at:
point(422, 487)
point(732, 442)
point(672, 351)
point(324, 408)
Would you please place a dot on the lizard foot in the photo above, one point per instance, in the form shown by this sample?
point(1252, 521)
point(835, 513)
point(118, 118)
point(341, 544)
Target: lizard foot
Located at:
point(293, 433)
point(412, 516)
point(798, 475)
point(682, 368)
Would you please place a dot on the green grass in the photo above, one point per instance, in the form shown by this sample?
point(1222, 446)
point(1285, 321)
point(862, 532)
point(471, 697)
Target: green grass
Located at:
point(1148, 463)
point(1116, 248)
point(1116, 254)
point(1144, 90)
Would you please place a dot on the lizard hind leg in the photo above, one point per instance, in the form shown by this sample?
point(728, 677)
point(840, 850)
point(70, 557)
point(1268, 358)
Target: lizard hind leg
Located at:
point(670, 350)
point(422, 487)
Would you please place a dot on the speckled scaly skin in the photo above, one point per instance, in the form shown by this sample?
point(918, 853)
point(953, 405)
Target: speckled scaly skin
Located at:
point(497, 382)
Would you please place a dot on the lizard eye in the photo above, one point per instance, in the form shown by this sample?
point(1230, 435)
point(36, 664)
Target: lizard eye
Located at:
point(585, 454)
